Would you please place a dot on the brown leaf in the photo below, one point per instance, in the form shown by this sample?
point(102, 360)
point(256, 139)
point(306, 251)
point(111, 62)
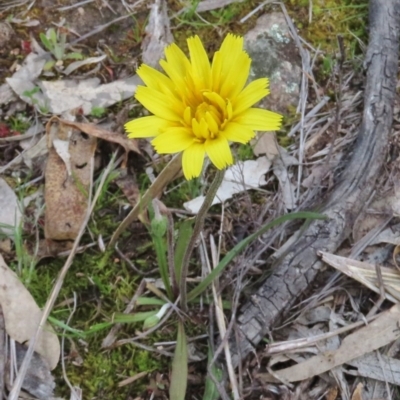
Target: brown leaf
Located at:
point(358, 392)
point(93, 130)
point(380, 332)
point(22, 316)
point(128, 186)
point(66, 192)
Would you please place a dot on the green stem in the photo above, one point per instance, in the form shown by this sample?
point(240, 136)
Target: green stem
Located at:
point(198, 226)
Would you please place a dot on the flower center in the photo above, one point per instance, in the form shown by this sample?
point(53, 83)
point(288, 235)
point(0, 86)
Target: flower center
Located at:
point(208, 117)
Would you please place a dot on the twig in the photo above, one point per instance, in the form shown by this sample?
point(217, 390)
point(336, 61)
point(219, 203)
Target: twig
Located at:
point(198, 226)
point(166, 175)
point(382, 294)
point(291, 345)
point(219, 313)
point(14, 393)
point(74, 394)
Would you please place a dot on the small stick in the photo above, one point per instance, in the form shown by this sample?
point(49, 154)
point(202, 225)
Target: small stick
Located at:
point(382, 293)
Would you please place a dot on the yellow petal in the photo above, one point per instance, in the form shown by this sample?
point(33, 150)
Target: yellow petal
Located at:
point(159, 104)
point(212, 124)
point(155, 79)
point(250, 95)
point(237, 133)
point(259, 120)
point(204, 129)
point(216, 99)
point(219, 152)
point(201, 70)
point(146, 127)
point(176, 64)
point(192, 160)
point(216, 72)
point(173, 140)
point(237, 76)
point(231, 52)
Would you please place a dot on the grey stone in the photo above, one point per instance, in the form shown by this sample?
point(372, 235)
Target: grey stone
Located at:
point(276, 57)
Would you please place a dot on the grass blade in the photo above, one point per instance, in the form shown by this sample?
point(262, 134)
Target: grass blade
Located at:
point(185, 233)
point(245, 242)
point(210, 390)
point(179, 374)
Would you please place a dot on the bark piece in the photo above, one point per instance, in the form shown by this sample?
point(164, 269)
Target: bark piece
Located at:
point(295, 272)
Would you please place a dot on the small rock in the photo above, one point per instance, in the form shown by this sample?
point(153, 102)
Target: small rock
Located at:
point(275, 56)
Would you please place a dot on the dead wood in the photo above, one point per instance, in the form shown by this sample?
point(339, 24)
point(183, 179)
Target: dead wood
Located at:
point(296, 271)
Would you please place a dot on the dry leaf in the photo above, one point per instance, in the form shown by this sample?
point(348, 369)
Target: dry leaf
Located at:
point(242, 176)
point(380, 332)
point(129, 187)
point(357, 394)
point(10, 213)
point(38, 380)
point(65, 95)
point(332, 393)
point(389, 235)
point(22, 316)
point(381, 368)
point(93, 130)
point(376, 215)
point(266, 144)
point(66, 193)
point(366, 274)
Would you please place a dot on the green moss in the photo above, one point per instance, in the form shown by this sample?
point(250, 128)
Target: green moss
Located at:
point(245, 152)
point(329, 19)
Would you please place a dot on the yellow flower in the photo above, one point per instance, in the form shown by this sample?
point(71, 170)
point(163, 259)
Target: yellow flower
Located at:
point(199, 108)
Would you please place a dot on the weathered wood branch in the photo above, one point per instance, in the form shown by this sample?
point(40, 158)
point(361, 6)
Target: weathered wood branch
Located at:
point(293, 274)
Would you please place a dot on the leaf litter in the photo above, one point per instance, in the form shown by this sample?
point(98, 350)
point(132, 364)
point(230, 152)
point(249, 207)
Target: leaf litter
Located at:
point(66, 184)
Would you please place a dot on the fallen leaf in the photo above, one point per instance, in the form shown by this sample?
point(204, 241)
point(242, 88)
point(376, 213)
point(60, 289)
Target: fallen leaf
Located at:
point(22, 316)
point(389, 235)
point(129, 187)
point(374, 216)
point(366, 274)
point(65, 95)
point(267, 144)
point(38, 380)
point(66, 192)
point(95, 131)
point(10, 213)
point(332, 393)
point(381, 368)
point(358, 391)
point(242, 176)
point(380, 332)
